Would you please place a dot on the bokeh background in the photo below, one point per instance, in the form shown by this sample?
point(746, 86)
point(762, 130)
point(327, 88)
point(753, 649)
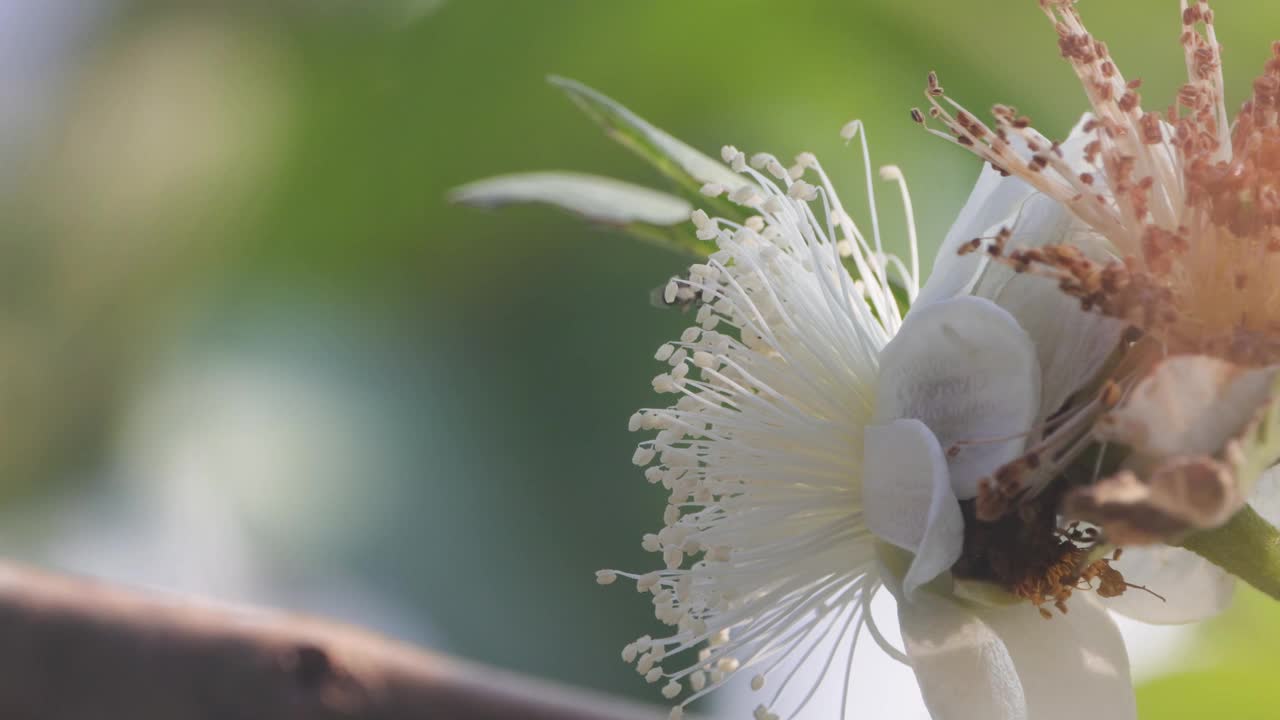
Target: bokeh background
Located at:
point(249, 352)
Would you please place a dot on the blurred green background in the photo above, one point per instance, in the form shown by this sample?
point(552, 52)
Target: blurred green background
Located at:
point(250, 352)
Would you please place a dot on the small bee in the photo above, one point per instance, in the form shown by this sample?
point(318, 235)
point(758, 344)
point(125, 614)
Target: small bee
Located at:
point(676, 293)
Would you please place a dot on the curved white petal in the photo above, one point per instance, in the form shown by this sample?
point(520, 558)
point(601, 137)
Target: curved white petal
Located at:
point(1193, 588)
point(968, 371)
point(1072, 344)
point(994, 199)
point(1068, 661)
point(1073, 150)
point(1004, 663)
point(963, 667)
point(1265, 498)
point(907, 498)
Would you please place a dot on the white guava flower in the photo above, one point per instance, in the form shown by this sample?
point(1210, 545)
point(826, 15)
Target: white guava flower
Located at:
point(816, 429)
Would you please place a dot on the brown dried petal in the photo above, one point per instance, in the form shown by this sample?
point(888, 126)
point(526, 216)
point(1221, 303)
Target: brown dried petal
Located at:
point(1181, 495)
point(1202, 489)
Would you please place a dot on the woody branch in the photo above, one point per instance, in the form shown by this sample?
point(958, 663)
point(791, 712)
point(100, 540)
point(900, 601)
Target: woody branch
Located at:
point(75, 649)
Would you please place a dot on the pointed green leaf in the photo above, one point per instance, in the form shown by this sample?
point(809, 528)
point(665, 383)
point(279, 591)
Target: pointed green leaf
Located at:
point(688, 167)
point(648, 214)
point(595, 198)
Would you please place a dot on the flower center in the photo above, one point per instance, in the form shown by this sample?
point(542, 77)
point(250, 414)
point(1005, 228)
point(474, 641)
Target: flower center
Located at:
point(1028, 554)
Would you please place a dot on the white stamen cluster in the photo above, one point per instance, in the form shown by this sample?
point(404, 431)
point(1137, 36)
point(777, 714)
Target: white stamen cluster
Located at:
point(766, 555)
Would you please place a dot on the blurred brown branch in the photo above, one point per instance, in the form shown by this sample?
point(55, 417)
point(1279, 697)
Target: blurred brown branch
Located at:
point(76, 649)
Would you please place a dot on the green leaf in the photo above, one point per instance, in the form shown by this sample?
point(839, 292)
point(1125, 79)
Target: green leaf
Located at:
point(595, 198)
point(689, 168)
point(648, 214)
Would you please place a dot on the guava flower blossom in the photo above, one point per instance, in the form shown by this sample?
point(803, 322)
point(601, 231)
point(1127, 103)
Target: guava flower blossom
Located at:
point(1016, 219)
point(1188, 200)
point(822, 446)
point(1184, 206)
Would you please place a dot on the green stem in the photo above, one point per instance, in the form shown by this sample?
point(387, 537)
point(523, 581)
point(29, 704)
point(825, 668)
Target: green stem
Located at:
point(1247, 546)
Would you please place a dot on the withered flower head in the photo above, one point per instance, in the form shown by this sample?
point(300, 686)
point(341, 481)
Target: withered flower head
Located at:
point(1175, 234)
point(1188, 198)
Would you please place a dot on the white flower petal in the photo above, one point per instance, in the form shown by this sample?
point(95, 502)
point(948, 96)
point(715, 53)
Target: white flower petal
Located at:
point(1188, 405)
point(1193, 588)
point(964, 670)
point(1265, 498)
point(1073, 151)
point(1006, 662)
point(967, 370)
point(1072, 344)
point(994, 200)
point(907, 498)
point(1068, 660)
